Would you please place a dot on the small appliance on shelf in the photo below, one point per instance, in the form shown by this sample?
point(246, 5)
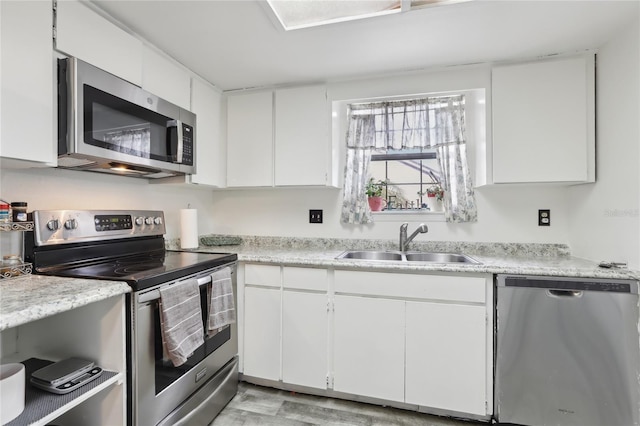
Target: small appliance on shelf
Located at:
point(65, 376)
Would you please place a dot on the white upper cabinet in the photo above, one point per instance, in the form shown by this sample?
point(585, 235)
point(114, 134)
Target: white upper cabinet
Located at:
point(279, 138)
point(250, 139)
point(27, 82)
point(302, 136)
point(544, 121)
point(206, 104)
point(83, 33)
point(165, 78)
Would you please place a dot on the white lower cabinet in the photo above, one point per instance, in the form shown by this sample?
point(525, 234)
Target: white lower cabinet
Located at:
point(262, 332)
point(446, 356)
point(304, 339)
point(413, 339)
point(368, 357)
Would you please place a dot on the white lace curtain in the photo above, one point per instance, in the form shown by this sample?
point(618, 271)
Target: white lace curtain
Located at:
point(435, 122)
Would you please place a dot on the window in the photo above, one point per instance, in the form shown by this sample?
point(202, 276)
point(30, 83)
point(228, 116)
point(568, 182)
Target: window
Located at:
point(413, 147)
point(410, 175)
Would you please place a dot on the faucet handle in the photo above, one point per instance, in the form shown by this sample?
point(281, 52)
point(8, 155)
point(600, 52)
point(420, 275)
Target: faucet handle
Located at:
point(404, 226)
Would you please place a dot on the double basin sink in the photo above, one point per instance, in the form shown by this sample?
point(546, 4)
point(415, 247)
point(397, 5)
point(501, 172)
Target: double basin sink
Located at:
point(409, 256)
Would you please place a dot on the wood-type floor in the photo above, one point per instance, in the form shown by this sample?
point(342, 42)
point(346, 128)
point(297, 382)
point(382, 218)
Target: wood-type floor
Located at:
point(257, 405)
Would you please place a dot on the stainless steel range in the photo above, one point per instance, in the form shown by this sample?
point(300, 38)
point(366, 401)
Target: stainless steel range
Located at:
point(129, 246)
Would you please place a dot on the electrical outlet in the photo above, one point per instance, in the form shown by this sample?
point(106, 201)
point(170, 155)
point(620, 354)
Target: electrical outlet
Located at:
point(544, 217)
point(315, 216)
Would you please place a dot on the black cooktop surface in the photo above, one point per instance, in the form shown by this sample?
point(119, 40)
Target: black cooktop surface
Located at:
point(146, 270)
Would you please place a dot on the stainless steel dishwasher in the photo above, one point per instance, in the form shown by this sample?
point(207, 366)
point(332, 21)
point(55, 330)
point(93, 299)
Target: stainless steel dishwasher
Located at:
point(567, 351)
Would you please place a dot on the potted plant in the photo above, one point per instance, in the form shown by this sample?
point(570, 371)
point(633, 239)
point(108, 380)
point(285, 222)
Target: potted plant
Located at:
point(435, 195)
point(374, 195)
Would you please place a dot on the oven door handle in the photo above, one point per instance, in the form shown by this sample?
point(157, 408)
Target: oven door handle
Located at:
point(155, 294)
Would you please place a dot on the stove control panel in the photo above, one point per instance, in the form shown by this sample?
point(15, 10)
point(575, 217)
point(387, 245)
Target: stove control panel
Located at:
point(71, 226)
point(112, 222)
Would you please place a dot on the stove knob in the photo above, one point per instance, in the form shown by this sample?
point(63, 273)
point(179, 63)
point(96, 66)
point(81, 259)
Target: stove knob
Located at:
point(149, 221)
point(157, 221)
point(71, 224)
point(139, 221)
point(53, 225)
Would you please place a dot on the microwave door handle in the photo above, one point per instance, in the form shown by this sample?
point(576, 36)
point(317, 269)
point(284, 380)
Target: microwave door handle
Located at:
point(175, 144)
point(180, 144)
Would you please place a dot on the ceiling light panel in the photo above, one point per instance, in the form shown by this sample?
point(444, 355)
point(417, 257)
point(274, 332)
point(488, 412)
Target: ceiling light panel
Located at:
point(296, 14)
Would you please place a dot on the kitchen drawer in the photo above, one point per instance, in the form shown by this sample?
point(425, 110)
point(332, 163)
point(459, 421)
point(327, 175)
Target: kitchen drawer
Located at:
point(304, 278)
point(415, 286)
point(262, 275)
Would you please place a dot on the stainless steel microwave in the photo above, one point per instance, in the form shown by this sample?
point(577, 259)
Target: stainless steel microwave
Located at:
point(108, 125)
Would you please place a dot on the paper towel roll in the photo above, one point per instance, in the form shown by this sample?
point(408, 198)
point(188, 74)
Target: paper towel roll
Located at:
point(188, 228)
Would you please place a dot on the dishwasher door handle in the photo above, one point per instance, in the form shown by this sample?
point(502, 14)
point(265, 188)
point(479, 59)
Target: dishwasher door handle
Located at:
point(564, 293)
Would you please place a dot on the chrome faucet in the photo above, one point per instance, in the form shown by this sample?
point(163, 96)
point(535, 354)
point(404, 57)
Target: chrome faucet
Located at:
point(404, 240)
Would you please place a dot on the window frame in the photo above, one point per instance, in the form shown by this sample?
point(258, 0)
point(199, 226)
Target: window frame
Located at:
point(477, 115)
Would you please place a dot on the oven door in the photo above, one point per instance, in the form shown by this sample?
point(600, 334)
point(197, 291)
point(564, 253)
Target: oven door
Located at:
point(157, 387)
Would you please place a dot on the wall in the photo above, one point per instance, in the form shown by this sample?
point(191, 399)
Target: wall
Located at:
point(505, 214)
point(52, 189)
point(605, 216)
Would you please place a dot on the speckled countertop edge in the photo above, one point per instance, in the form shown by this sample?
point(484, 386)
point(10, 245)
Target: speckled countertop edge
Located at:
point(33, 297)
point(494, 258)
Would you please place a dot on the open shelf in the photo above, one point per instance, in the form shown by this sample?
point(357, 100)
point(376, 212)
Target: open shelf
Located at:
point(41, 407)
point(16, 226)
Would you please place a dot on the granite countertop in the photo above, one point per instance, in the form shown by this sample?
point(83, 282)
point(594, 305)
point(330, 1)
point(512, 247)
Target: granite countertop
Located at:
point(494, 258)
point(32, 297)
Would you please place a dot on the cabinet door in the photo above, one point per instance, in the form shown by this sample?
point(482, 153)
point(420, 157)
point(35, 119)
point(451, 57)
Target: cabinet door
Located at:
point(446, 359)
point(210, 163)
point(304, 339)
point(369, 347)
point(302, 145)
point(250, 139)
point(164, 78)
point(544, 121)
point(83, 33)
point(27, 76)
point(262, 332)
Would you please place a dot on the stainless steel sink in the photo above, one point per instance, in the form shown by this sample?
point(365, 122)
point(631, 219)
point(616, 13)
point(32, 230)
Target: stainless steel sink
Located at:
point(407, 256)
point(439, 257)
point(371, 255)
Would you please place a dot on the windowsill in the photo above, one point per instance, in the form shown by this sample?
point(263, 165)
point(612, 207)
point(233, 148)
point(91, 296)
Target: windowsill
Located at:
point(407, 215)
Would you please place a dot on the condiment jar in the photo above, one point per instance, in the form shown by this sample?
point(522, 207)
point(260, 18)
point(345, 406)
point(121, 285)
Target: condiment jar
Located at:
point(19, 210)
point(4, 212)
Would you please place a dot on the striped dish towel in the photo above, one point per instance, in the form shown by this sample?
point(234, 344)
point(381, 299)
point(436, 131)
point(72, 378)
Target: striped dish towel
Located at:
point(181, 320)
point(222, 310)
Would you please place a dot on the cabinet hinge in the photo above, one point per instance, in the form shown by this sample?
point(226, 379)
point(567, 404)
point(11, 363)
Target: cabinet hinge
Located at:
point(54, 18)
point(330, 306)
point(329, 381)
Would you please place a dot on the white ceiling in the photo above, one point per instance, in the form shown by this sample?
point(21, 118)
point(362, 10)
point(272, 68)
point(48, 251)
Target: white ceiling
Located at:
point(237, 44)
